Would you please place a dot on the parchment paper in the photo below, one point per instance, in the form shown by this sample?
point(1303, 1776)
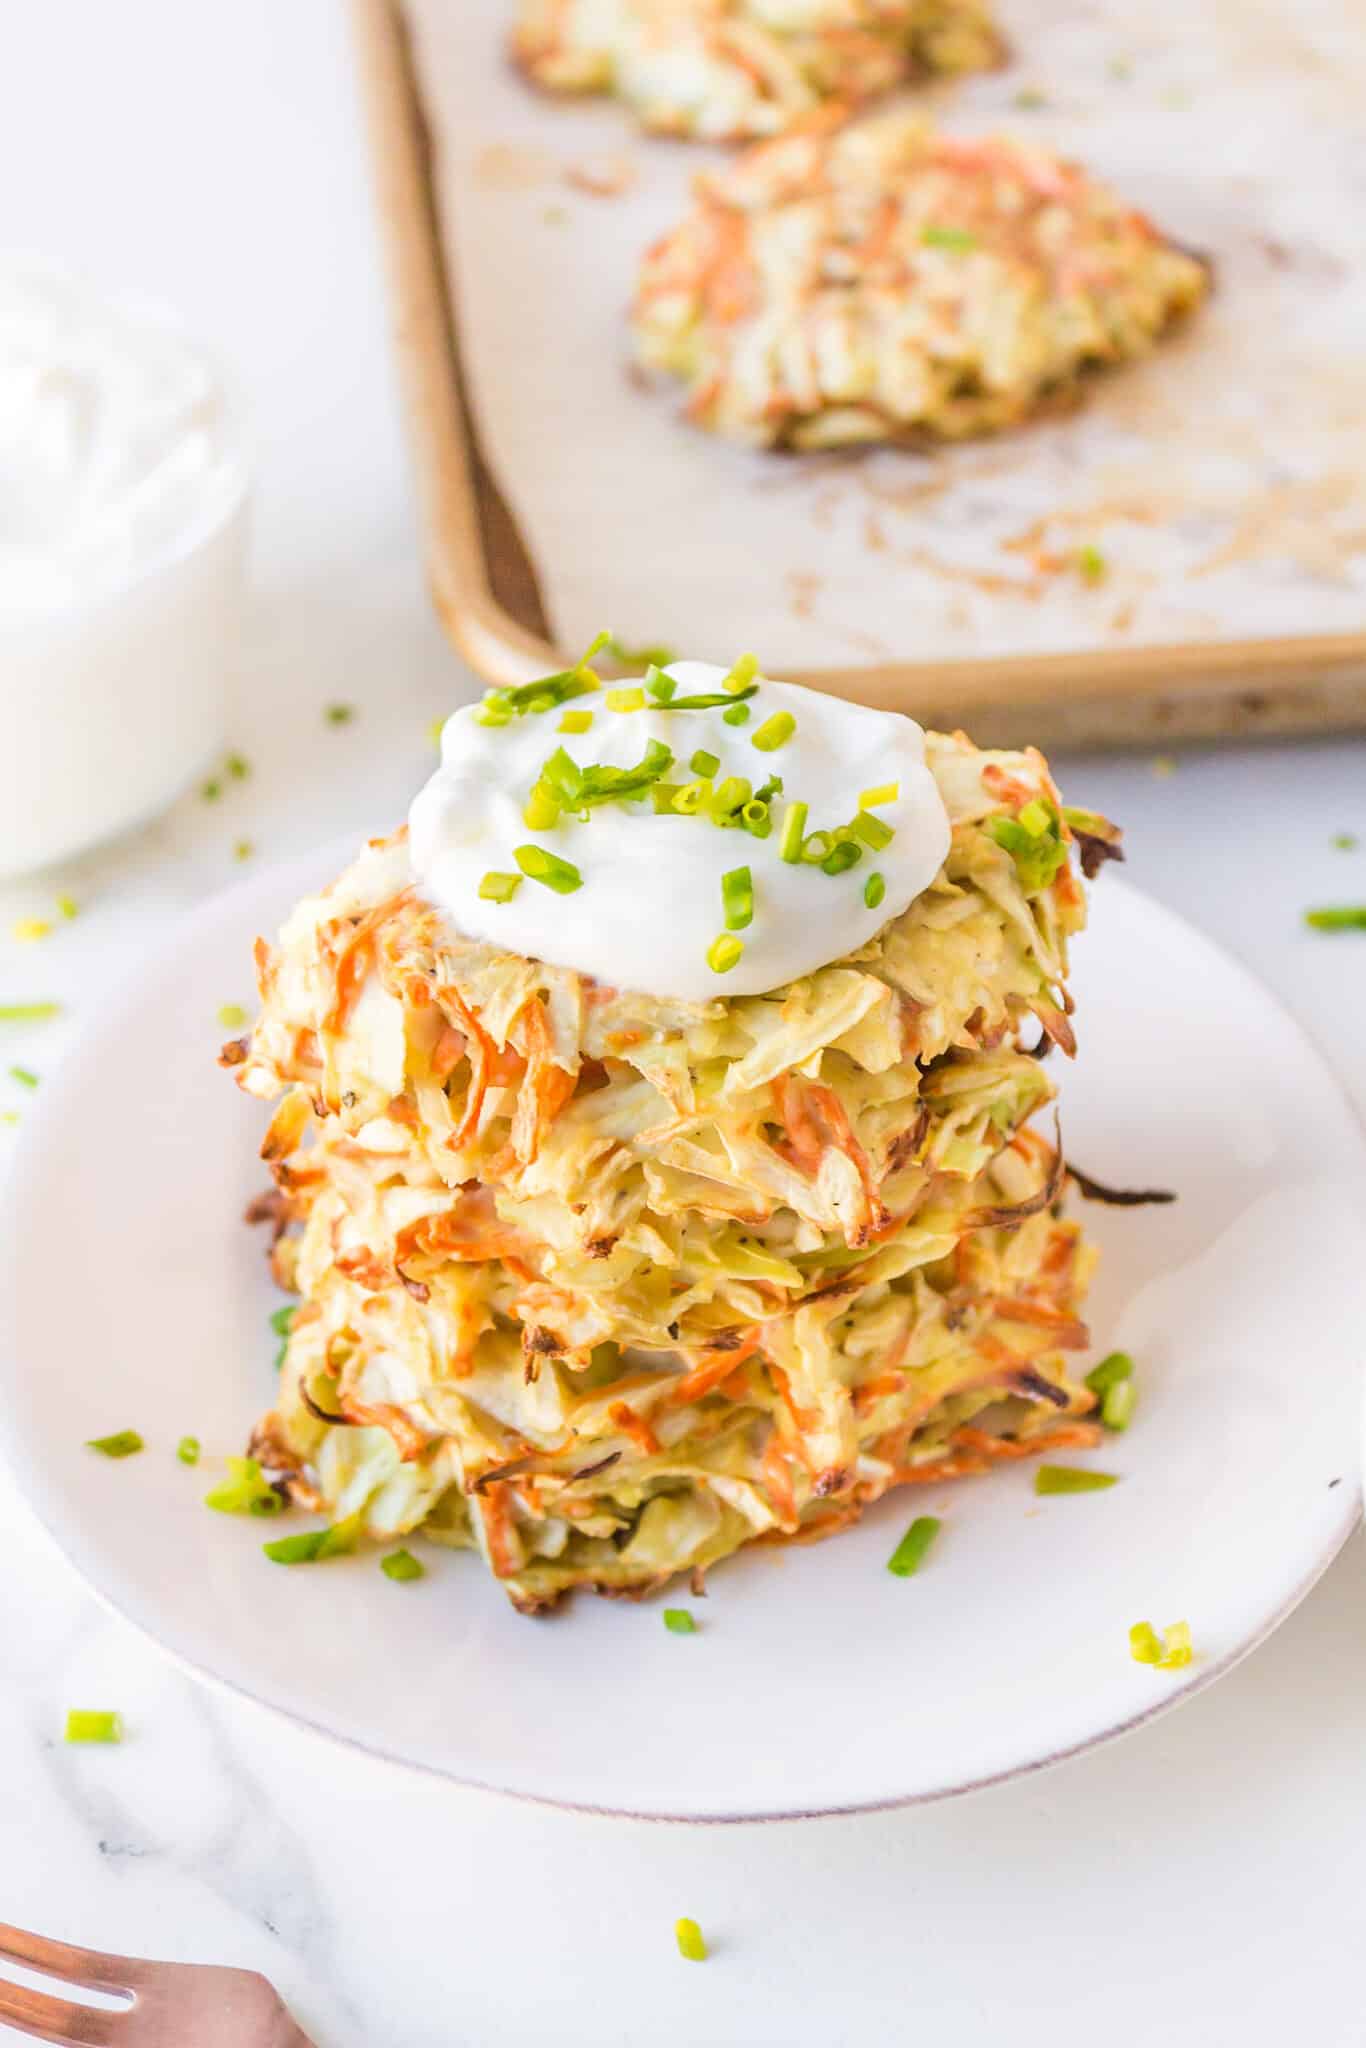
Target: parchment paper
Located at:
point(1224, 479)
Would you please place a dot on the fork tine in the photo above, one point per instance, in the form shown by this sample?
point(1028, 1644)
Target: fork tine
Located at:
point(85, 1966)
point(55, 2019)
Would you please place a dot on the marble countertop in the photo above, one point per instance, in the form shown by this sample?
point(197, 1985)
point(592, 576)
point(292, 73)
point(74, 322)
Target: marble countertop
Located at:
point(1207, 1868)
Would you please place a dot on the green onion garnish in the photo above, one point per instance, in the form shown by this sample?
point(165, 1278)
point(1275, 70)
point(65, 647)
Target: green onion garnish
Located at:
point(691, 1945)
point(1036, 818)
point(729, 797)
point(817, 847)
point(724, 953)
point(402, 1566)
point(340, 714)
point(1170, 1654)
point(948, 238)
point(1092, 566)
point(737, 715)
point(282, 1319)
point(911, 1552)
point(1350, 919)
point(497, 887)
point(579, 789)
point(187, 1450)
point(311, 1546)
point(873, 831)
point(491, 712)
point(662, 796)
point(238, 767)
point(756, 817)
point(874, 889)
point(737, 899)
point(211, 790)
point(123, 1444)
point(1071, 1479)
point(843, 855)
point(247, 1491)
point(640, 657)
point(231, 1016)
point(25, 1076)
point(576, 721)
point(541, 812)
point(28, 1013)
point(660, 686)
point(775, 732)
point(794, 826)
point(242, 849)
point(501, 706)
point(883, 793)
point(68, 906)
point(741, 676)
point(712, 700)
point(679, 1622)
point(703, 763)
point(1345, 842)
point(625, 700)
point(82, 1725)
point(1145, 1645)
point(1038, 855)
point(1113, 1369)
point(1117, 1408)
point(547, 868)
point(691, 798)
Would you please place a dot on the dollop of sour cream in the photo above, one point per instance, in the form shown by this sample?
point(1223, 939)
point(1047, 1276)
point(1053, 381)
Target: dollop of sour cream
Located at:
point(651, 905)
point(117, 445)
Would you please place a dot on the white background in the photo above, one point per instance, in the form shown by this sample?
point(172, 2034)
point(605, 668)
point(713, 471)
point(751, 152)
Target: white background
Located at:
point(1202, 1881)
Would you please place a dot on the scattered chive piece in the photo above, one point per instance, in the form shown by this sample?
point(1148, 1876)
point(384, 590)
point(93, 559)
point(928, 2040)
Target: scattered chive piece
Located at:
point(775, 732)
point(662, 796)
point(28, 1013)
point(499, 888)
point(187, 1450)
point(873, 831)
point(1092, 566)
point(1352, 918)
point(29, 929)
point(843, 855)
point(691, 1945)
point(625, 700)
point(492, 713)
point(579, 789)
point(1114, 1368)
point(1035, 817)
point(9, 1116)
point(402, 1566)
point(874, 889)
point(679, 1622)
point(211, 790)
point(724, 953)
point(311, 1546)
point(434, 732)
point(1177, 1652)
point(737, 899)
point(282, 1319)
point(884, 793)
point(576, 721)
point(640, 657)
point(24, 1076)
point(769, 789)
point(243, 850)
point(742, 675)
point(123, 1444)
point(816, 848)
point(737, 715)
point(794, 826)
point(660, 686)
point(948, 238)
point(68, 906)
point(757, 818)
point(238, 767)
point(729, 797)
point(232, 1016)
point(1071, 1479)
point(711, 700)
point(1145, 1646)
point(541, 812)
point(547, 868)
point(1346, 842)
point(703, 763)
point(691, 798)
point(914, 1546)
point(246, 1491)
point(340, 714)
point(1117, 1408)
point(82, 1725)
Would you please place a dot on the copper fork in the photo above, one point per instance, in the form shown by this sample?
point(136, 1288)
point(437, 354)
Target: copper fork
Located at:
point(173, 2005)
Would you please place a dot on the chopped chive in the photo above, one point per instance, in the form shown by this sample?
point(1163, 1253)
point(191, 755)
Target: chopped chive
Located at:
point(1036, 818)
point(580, 789)
point(243, 850)
point(123, 1444)
point(30, 929)
point(775, 732)
point(282, 1319)
point(1346, 842)
point(729, 797)
point(737, 899)
point(238, 767)
point(817, 847)
point(187, 1450)
point(772, 786)
point(1145, 1645)
point(1071, 1479)
point(541, 812)
point(703, 763)
point(883, 793)
point(691, 1945)
point(724, 953)
point(491, 713)
point(83, 1725)
point(576, 721)
point(742, 675)
point(1351, 918)
point(28, 1013)
point(625, 700)
point(737, 715)
point(679, 1622)
point(211, 790)
point(340, 714)
point(434, 732)
point(948, 238)
point(9, 1116)
point(843, 855)
point(25, 1076)
point(662, 796)
point(1114, 1368)
point(496, 887)
point(246, 1491)
point(757, 818)
point(311, 1546)
point(1092, 566)
point(710, 700)
point(874, 889)
point(402, 1566)
point(691, 798)
point(548, 869)
point(231, 1016)
point(660, 686)
point(1117, 1408)
point(68, 906)
point(1177, 1651)
point(794, 826)
point(873, 831)
point(914, 1546)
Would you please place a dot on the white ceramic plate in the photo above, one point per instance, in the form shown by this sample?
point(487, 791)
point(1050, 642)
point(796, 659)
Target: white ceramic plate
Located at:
point(131, 1296)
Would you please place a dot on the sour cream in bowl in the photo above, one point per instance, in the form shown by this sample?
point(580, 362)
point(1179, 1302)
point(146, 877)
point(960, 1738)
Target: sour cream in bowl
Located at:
point(123, 494)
